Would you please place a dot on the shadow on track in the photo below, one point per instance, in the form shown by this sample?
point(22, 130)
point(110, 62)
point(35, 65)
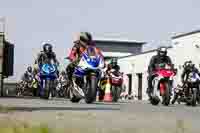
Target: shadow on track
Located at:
point(30, 109)
point(105, 103)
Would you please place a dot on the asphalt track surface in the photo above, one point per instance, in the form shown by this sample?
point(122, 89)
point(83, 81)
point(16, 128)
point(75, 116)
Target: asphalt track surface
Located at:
point(129, 116)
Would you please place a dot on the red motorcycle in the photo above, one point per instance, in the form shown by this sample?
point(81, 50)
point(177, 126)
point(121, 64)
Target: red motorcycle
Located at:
point(162, 84)
point(116, 80)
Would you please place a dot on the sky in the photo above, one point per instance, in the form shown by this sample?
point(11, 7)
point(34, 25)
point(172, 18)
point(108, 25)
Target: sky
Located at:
point(29, 23)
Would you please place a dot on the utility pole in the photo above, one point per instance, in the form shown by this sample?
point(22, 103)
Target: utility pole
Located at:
point(2, 37)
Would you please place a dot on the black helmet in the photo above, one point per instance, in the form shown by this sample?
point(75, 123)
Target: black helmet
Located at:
point(85, 37)
point(190, 64)
point(185, 64)
point(162, 51)
point(29, 69)
point(47, 48)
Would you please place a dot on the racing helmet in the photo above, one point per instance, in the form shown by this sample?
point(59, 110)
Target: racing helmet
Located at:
point(162, 51)
point(29, 69)
point(47, 48)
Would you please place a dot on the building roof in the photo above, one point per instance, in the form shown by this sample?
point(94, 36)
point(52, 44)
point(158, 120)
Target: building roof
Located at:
point(145, 52)
point(186, 34)
point(118, 40)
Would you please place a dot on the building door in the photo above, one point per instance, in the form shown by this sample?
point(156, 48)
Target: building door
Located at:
point(129, 83)
point(139, 86)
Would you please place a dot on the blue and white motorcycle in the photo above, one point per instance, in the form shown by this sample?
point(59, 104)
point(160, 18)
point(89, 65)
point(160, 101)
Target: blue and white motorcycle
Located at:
point(48, 76)
point(87, 76)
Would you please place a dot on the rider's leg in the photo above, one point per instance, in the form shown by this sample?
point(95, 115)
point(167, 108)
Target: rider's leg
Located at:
point(150, 87)
point(70, 70)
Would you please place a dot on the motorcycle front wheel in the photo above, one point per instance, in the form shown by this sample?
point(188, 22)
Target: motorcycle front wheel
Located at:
point(116, 91)
point(91, 89)
point(194, 96)
point(48, 89)
point(175, 98)
point(166, 95)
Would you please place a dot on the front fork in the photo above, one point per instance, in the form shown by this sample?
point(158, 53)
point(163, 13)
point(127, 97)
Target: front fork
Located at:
point(157, 84)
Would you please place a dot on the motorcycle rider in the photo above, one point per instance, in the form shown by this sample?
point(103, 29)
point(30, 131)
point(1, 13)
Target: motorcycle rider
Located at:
point(113, 66)
point(28, 74)
point(83, 40)
point(27, 77)
point(188, 67)
point(160, 58)
point(46, 55)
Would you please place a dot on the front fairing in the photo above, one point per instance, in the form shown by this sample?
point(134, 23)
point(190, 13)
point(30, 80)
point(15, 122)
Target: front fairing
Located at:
point(48, 71)
point(89, 63)
point(193, 77)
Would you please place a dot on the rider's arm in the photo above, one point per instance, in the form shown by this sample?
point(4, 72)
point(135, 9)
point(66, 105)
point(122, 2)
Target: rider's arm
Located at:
point(151, 65)
point(197, 71)
point(73, 52)
point(169, 61)
point(183, 75)
point(39, 58)
point(55, 59)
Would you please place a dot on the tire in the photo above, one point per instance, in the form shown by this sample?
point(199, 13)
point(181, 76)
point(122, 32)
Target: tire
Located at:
point(35, 92)
point(175, 98)
point(155, 100)
point(67, 94)
point(166, 96)
point(47, 89)
point(101, 94)
point(91, 90)
point(18, 92)
point(194, 96)
point(116, 90)
point(60, 93)
point(72, 97)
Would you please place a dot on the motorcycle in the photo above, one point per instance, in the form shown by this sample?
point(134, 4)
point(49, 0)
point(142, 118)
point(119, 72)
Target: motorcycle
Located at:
point(179, 95)
point(86, 77)
point(116, 80)
point(162, 84)
point(20, 88)
point(48, 76)
point(190, 91)
point(62, 89)
point(27, 87)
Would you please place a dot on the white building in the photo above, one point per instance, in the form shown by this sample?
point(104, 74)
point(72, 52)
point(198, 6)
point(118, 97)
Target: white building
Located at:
point(184, 47)
point(118, 47)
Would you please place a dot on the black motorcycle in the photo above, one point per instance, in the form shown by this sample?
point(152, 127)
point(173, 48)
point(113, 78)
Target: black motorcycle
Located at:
point(62, 89)
point(189, 92)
